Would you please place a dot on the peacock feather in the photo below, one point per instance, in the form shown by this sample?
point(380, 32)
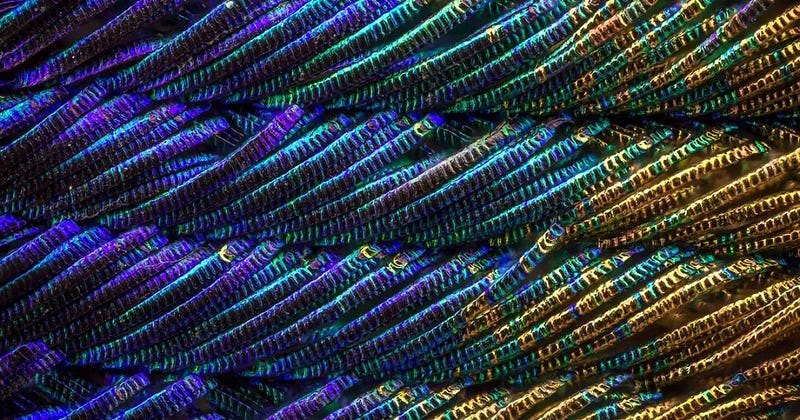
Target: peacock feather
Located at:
point(399, 209)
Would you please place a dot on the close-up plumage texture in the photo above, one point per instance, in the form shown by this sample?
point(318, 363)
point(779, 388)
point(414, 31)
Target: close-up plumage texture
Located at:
point(399, 209)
